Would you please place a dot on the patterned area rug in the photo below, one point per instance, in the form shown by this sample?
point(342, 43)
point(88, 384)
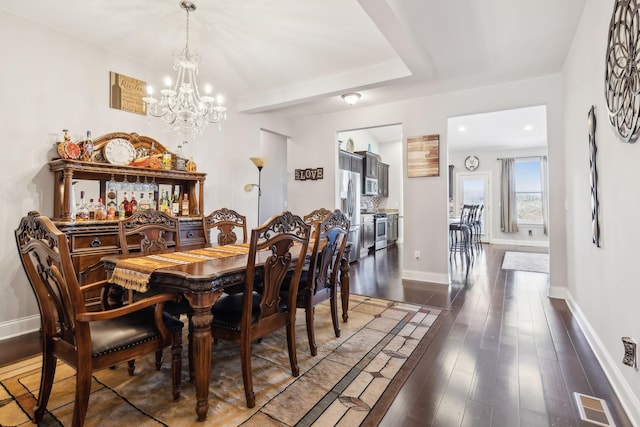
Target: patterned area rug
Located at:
point(352, 381)
point(526, 261)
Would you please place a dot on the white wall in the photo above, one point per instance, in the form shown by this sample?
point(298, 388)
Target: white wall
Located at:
point(425, 199)
point(602, 282)
point(54, 82)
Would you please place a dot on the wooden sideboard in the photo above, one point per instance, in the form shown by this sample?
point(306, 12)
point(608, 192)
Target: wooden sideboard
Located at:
point(89, 241)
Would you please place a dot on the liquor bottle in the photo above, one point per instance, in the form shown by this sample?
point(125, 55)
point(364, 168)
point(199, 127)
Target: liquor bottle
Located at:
point(185, 204)
point(111, 210)
point(123, 207)
point(175, 205)
point(152, 201)
point(164, 202)
point(166, 160)
point(133, 205)
point(87, 148)
point(100, 211)
point(92, 210)
point(144, 203)
point(82, 213)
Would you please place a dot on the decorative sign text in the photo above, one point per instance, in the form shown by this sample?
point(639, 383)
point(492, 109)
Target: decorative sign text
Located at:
point(126, 93)
point(305, 174)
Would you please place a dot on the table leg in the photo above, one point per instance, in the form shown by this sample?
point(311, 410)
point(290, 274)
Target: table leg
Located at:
point(201, 302)
point(344, 283)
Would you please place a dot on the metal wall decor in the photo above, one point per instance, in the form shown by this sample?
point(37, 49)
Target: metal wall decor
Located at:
point(622, 74)
point(593, 177)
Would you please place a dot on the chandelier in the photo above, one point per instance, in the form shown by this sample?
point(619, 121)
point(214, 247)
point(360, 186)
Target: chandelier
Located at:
point(182, 107)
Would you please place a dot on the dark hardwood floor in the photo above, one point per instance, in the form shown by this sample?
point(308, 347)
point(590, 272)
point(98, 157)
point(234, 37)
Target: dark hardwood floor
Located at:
point(506, 355)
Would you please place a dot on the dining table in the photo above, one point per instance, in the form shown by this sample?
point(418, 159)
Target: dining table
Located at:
point(200, 275)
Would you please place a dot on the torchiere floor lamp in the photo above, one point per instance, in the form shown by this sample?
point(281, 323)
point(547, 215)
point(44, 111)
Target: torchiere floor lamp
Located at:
point(259, 162)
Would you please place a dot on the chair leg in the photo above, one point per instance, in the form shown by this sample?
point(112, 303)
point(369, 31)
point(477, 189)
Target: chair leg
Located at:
point(158, 360)
point(83, 388)
point(334, 312)
point(176, 364)
point(49, 362)
point(310, 313)
point(132, 367)
point(245, 361)
point(291, 343)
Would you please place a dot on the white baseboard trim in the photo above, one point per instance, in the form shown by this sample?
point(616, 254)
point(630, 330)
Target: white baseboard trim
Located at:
point(557, 292)
point(17, 327)
point(423, 276)
point(610, 367)
point(537, 243)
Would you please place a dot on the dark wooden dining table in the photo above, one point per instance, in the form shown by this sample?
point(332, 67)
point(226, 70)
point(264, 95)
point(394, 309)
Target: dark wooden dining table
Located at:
point(201, 284)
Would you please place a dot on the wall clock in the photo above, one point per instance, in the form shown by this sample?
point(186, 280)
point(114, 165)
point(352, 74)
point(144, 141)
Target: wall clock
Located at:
point(119, 152)
point(471, 163)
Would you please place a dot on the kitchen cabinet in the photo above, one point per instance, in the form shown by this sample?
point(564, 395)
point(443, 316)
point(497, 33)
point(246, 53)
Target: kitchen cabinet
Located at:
point(383, 179)
point(370, 163)
point(392, 227)
point(350, 162)
point(368, 235)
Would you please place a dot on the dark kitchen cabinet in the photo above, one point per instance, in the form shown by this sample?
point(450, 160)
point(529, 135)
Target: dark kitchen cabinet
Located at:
point(383, 179)
point(350, 161)
point(370, 163)
point(368, 234)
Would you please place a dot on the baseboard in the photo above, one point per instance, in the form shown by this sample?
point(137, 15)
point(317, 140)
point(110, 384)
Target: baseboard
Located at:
point(537, 243)
point(17, 327)
point(422, 276)
point(621, 387)
point(557, 292)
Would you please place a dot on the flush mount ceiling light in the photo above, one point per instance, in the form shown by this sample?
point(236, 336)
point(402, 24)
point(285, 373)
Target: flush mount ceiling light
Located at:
point(351, 98)
point(182, 107)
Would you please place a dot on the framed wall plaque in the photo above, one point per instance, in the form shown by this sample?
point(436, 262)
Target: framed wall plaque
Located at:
point(423, 156)
point(126, 93)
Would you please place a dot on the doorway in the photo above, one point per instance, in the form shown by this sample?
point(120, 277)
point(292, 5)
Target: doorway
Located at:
point(475, 145)
point(475, 189)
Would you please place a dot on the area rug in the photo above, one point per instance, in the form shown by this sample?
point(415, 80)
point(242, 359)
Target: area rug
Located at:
point(352, 381)
point(526, 261)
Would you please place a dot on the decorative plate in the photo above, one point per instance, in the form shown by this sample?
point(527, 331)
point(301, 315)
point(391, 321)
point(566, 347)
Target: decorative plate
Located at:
point(350, 146)
point(71, 150)
point(119, 152)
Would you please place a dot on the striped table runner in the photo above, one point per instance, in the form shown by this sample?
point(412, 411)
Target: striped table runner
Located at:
point(134, 273)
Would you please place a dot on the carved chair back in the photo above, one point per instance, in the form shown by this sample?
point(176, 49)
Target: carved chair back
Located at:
point(149, 231)
point(226, 222)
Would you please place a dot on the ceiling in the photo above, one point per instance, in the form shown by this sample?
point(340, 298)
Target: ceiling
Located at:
point(297, 57)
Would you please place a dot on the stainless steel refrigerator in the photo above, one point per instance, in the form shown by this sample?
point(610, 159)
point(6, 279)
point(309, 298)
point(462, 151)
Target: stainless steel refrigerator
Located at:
point(349, 203)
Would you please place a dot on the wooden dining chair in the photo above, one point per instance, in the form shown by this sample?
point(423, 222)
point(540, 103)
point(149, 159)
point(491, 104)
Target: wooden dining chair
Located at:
point(317, 215)
point(226, 222)
point(319, 282)
point(87, 341)
point(249, 315)
point(149, 231)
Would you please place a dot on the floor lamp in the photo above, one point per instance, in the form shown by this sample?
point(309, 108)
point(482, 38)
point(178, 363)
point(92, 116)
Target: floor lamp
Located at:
point(259, 162)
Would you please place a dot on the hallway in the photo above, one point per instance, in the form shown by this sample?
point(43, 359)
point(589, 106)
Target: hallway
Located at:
point(506, 356)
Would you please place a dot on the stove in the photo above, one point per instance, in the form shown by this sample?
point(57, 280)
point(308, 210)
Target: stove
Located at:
point(380, 227)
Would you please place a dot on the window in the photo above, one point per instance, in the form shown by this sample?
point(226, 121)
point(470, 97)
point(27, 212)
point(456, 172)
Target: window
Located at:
point(528, 191)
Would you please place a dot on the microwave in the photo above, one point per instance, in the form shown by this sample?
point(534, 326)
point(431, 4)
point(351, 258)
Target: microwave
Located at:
point(370, 186)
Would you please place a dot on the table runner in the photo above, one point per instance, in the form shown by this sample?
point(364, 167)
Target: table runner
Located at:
point(134, 273)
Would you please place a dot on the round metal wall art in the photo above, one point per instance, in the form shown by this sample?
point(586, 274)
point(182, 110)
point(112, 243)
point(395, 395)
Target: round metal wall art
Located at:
point(622, 79)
